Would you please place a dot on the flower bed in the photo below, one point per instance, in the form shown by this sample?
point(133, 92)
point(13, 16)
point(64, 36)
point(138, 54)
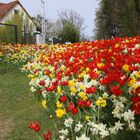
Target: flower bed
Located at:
point(91, 90)
point(19, 53)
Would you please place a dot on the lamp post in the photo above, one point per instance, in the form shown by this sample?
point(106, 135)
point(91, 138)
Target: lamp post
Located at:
point(43, 34)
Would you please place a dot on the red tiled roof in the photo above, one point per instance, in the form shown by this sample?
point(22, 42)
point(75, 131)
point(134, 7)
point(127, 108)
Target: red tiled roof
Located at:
point(1, 4)
point(5, 8)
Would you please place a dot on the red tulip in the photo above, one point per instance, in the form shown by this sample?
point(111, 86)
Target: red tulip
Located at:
point(41, 83)
point(90, 90)
point(63, 99)
point(136, 108)
point(116, 90)
point(64, 83)
point(74, 111)
point(35, 126)
point(70, 107)
point(47, 136)
point(40, 91)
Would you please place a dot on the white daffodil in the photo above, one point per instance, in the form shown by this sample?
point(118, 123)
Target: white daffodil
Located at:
point(123, 77)
point(132, 126)
point(78, 127)
point(94, 129)
point(123, 99)
point(118, 126)
point(128, 116)
point(86, 82)
point(112, 130)
point(32, 82)
point(32, 89)
point(103, 130)
point(47, 81)
point(72, 93)
point(104, 133)
point(125, 51)
point(118, 104)
point(117, 112)
point(105, 95)
point(68, 122)
point(137, 46)
point(86, 77)
point(83, 137)
point(62, 137)
point(101, 87)
point(65, 78)
point(71, 59)
point(44, 94)
point(133, 73)
point(64, 132)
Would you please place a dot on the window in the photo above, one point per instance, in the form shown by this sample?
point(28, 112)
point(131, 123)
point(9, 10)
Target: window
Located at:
point(16, 11)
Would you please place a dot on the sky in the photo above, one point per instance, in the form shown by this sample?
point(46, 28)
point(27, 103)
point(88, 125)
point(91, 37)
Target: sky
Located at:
point(86, 8)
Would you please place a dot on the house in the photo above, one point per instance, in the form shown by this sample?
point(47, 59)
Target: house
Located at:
point(7, 10)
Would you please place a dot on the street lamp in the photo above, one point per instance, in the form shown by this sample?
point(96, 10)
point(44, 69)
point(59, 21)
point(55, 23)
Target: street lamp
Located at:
point(43, 34)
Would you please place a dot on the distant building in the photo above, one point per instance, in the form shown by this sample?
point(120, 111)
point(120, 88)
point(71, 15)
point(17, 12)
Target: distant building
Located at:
point(7, 10)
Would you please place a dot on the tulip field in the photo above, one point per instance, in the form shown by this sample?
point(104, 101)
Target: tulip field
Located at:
point(84, 91)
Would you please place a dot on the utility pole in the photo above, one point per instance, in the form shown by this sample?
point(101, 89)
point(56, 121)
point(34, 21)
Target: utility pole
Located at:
point(43, 33)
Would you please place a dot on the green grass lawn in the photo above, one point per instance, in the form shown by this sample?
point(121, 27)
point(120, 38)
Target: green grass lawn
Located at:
point(18, 106)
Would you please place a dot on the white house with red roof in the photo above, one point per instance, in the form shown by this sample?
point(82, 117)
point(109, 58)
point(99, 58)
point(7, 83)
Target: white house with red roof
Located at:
point(7, 10)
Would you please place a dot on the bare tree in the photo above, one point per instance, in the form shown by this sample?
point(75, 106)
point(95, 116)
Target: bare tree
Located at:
point(52, 28)
point(72, 17)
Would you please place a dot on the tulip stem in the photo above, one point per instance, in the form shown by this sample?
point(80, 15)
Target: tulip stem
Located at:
point(71, 132)
point(98, 114)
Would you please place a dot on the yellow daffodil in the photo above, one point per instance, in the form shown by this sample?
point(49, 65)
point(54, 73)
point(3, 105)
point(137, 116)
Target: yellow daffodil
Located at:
point(71, 82)
point(59, 90)
point(59, 104)
point(51, 75)
point(87, 69)
point(135, 86)
point(87, 118)
point(62, 67)
point(117, 45)
point(82, 87)
point(30, 76)
point(132, 81)
point(125, 67)
point(82, 74)
point(42, 64)
point(15, 56)
point(138, 74)
point(60, 113)
point(101, 102)
point(73, 89)
point(44, 104)
point(50, 116)
point(82, 95)
point(100, 65)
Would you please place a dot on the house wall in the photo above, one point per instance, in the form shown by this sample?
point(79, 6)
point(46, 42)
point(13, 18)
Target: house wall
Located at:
point(25, 17)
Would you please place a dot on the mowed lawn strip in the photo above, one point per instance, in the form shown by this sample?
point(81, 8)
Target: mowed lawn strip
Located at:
point(18, 106)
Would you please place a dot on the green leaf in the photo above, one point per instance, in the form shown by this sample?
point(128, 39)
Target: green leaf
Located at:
point(39, 137)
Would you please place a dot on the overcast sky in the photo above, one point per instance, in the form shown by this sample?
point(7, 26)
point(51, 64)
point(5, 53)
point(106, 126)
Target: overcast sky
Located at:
point(86, 8)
